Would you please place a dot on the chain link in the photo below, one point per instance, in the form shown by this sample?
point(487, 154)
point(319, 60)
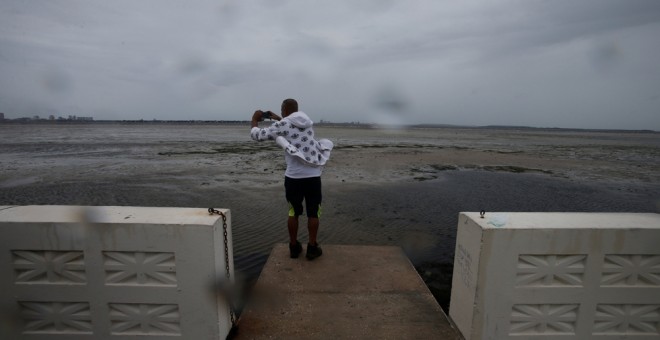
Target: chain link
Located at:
point(224, 232)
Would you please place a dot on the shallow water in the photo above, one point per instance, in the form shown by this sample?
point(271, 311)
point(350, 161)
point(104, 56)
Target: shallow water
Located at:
point(383, 187)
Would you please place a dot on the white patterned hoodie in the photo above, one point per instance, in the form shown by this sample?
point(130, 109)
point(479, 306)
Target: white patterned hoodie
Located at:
point(304, 155)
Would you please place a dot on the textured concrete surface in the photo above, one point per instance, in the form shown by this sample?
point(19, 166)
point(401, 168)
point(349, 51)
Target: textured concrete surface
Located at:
point(74, 272)
point(358, 292)
point(557, 275)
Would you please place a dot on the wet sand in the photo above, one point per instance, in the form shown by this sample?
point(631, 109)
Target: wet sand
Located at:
point(382, 187)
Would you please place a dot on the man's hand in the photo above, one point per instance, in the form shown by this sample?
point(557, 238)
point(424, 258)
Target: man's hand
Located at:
point(269, 115)
point(274, 116)
point(256, 118)
point(259, 116)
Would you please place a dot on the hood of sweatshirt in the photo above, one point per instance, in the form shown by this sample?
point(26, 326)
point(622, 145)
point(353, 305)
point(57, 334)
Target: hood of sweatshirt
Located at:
point(296, 136)
point(299, 119)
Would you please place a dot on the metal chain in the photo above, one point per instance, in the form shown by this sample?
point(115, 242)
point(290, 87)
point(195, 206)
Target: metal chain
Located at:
point(224, 228)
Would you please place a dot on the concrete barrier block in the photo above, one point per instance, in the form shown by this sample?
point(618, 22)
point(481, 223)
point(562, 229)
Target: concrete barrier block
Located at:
point(557, 275)
point(113, 273)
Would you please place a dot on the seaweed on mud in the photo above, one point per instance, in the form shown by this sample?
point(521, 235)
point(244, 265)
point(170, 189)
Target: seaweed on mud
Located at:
point(172, 153)
point(429, 174)
point(439, 167)
point(505, 152)
point(513, 168)
point(420, 178)
point(417, 170)
point(435, 168)
point(395, 146)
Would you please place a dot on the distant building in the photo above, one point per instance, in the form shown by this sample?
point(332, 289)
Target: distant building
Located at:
point(51, 117)
point(2, 116)
point(87, 119)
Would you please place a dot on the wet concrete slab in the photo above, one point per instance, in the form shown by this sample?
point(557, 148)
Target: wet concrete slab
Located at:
point(351, 292)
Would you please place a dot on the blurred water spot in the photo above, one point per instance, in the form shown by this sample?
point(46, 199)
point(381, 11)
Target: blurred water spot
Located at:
point(390, 99)
point(192, 66)
point(57, 81)
point(89, 215)
point(390, 106)
point(418, 245)
point(605, 56)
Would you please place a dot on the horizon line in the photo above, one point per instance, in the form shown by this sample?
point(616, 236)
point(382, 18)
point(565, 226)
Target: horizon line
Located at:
point(27, 120)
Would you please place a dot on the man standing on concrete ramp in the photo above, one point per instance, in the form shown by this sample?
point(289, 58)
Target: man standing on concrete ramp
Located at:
point(305, 158)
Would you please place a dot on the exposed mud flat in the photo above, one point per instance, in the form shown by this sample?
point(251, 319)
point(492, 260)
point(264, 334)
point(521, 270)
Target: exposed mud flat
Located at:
point(385, 187)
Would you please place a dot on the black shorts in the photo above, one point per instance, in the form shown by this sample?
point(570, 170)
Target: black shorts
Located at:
point(307, 189)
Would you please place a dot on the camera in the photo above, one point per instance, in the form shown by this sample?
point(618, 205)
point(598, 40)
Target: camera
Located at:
point(266, 115)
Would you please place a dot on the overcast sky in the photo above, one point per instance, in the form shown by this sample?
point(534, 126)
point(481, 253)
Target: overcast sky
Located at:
point(555, 63)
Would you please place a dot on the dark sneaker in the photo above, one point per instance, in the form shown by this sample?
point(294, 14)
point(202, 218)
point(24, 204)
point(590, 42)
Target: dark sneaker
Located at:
point(313, 251)
point(295, 250)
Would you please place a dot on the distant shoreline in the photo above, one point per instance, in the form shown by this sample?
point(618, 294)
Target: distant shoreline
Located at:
point(22, 121)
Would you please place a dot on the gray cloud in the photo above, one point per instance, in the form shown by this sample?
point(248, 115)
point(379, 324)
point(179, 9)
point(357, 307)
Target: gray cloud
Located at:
point(590, 63)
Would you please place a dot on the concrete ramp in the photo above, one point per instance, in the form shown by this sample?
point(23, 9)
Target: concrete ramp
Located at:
point(359, 292)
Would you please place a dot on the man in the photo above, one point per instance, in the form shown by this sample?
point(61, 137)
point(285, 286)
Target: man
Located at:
point(305, 158)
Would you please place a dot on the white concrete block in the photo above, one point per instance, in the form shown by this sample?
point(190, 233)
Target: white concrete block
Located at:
point(113, 273)
point(557, 276)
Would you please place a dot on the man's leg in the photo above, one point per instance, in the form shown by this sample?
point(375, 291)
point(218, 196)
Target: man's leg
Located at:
point(295, 248)
point(294, 196)
point(292, 223)
point(313, 248)
point(313, 228)
point(313, 198)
